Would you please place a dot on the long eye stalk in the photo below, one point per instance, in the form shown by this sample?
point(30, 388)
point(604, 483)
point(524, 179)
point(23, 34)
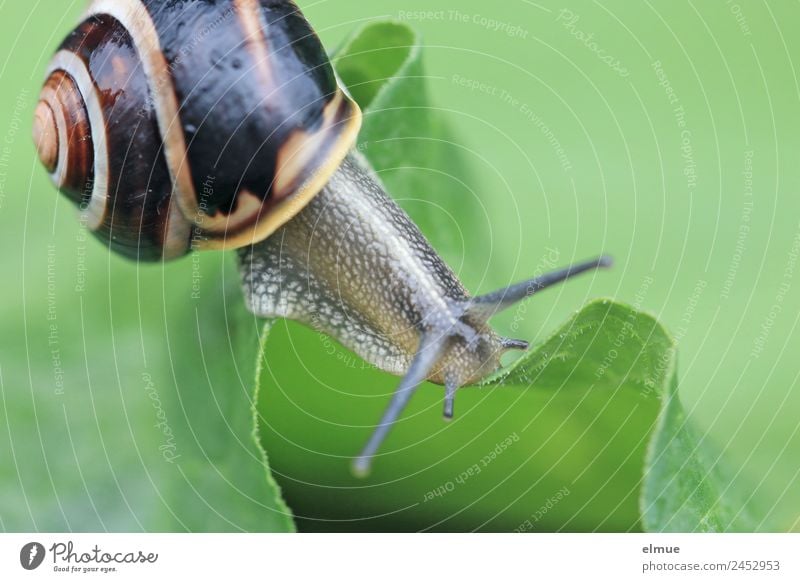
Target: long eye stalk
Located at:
point(492, 303)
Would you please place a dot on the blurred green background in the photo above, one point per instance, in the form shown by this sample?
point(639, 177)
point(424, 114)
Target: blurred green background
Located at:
point(664, 133)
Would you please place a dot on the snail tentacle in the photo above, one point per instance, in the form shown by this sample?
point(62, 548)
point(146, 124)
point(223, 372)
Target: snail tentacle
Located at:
point(450, 388)
point(486, 306)
point(515, 344)
point(431, 347)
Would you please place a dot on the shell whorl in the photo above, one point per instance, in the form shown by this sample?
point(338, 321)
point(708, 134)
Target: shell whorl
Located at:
point(62, 132)
point(183, 124)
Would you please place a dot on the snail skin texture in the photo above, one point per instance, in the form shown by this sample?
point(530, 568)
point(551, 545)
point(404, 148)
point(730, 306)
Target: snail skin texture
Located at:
point(183, 124)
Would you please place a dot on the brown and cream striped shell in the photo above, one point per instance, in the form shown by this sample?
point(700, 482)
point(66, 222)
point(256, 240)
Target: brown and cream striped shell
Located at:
point(179, 124)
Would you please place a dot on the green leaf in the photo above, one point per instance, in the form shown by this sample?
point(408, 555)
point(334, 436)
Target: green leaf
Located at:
point(608, 346)
point(688, 483)
point(226, 475)
point(584, 433)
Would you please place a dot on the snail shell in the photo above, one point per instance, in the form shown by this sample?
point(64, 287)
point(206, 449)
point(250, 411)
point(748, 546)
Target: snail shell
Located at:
point(178, 125)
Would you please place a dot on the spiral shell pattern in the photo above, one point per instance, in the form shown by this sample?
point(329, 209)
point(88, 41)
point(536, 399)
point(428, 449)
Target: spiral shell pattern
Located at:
point(185, 124)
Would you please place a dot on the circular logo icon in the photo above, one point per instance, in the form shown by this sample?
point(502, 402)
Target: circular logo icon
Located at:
point(31, 555)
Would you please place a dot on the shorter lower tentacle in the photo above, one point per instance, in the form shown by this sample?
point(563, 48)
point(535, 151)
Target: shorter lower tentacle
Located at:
point(450, 388)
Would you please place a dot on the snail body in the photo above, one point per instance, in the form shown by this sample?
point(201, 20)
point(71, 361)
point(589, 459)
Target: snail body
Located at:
point(315, 269)
point(186, 124)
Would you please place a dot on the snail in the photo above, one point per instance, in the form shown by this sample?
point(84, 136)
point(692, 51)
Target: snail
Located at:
point(177, 125)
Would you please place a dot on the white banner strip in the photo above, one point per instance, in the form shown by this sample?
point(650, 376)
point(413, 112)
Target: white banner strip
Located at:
point(379, 557)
